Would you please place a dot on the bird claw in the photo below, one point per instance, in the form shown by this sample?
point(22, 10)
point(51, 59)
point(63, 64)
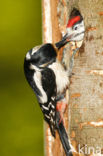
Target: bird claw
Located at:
point(61, 107)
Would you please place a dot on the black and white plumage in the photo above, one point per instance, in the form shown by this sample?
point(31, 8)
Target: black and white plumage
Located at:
point(75, 27)
point(49, 80)
point(45, 74)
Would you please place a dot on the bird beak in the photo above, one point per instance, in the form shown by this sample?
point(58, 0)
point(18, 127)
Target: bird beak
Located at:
point(67, 37)
point(63, 41)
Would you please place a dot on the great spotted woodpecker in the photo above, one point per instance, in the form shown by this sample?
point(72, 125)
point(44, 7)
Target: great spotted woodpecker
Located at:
point(49, 79)
point(74, 33)
point(75, 27)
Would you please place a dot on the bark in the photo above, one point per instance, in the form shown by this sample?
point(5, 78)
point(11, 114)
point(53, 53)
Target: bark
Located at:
point(85, 117)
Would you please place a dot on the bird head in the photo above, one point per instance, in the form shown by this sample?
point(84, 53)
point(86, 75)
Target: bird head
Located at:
point(41, 55)
point(75, 27)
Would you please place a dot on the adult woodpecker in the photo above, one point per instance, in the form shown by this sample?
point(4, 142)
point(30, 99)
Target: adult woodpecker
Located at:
point(49, 81)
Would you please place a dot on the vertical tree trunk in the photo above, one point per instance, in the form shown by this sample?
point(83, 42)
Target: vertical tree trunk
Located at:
point(85, 118)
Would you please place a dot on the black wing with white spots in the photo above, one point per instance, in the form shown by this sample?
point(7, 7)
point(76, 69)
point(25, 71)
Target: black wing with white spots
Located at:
point(49, 108)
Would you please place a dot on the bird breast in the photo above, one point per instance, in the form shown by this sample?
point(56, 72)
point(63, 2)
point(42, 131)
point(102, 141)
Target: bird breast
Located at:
point(61, 74)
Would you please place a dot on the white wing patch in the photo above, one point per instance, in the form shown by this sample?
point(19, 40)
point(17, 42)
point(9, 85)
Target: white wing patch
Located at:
point(37, 79)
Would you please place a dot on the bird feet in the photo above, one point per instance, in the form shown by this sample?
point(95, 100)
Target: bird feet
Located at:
point(61, 107)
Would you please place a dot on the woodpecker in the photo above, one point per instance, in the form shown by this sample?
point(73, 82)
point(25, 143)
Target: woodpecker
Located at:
point(49, 81)
point(75, 31)
point(75, 27)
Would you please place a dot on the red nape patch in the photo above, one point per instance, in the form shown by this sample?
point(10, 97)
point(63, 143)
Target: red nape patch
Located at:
point(72, 21)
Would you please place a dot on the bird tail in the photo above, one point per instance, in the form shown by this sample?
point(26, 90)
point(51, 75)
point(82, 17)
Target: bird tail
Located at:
point(63, 135)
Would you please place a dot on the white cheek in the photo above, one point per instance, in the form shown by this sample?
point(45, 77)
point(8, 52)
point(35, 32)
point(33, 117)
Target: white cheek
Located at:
point(76, 35)
point(81, 28)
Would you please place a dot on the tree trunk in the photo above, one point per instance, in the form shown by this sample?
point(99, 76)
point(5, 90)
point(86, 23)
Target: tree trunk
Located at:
point(85, 117)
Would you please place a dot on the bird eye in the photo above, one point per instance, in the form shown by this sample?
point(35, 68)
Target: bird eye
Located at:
point(75, 28)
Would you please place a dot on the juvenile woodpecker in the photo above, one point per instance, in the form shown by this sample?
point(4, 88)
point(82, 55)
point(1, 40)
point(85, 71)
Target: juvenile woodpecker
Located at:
point(49, 80)
point(75, 30)
point(75, 27)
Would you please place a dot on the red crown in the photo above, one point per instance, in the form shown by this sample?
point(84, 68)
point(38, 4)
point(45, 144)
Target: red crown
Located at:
point(72, 21)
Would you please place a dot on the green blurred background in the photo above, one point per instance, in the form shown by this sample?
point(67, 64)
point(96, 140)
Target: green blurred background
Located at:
point(21, 122)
